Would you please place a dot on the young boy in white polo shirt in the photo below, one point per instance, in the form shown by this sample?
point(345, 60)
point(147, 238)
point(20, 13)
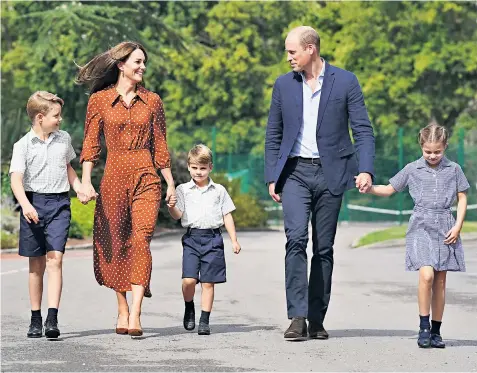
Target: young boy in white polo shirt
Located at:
point(41, 176)
point(203, 207)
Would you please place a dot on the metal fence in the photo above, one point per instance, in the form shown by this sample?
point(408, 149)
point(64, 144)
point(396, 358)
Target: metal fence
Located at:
point(356, 206)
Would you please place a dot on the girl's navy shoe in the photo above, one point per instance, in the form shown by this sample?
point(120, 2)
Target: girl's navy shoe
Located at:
point(424, 338)
point(436, 341)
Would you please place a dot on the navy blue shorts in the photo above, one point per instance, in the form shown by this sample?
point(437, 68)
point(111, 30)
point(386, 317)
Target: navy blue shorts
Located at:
point(51, 232)
point(203, 255)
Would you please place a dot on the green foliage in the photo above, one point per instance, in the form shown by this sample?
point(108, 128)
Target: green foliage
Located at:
point(6, 190)
point(214, 64)
point(10, 223)
point(250, 211)
point(415, 60)
point(75, 230)
point(395, 233)
point(82, 219)
point(8, 240)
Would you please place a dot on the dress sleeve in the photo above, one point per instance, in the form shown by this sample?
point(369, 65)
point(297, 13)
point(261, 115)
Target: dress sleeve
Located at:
point(462, 182)
point(400, 181)
point(159, 151)
point(93, 128)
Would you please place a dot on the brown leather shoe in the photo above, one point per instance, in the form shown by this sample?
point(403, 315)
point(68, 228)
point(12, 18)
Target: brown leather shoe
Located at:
point(317, 331)
point(297, 330)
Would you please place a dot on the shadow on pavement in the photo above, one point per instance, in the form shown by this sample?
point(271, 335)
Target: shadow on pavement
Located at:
point(353, 333)
point(172, 331)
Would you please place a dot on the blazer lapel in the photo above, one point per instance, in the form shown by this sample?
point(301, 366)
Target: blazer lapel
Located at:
point(297, 92)
point(325, 92)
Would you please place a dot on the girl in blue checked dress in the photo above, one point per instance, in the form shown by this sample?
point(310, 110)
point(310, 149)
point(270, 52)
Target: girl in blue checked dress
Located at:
point(433, 245)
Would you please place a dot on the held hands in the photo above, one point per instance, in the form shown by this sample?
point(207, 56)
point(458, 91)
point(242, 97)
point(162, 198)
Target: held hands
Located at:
point(30, 214)
point(82, 197)
point(171, 198)
point(86, 193)
point(271, 191)
point(452, 235)
point(363, 182)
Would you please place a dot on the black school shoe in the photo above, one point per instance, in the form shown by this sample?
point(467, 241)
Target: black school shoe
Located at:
point(51, 328)
point(189, 319)
point(436, 341)
point(203, 329)
point(36, 328)
point(424, 338)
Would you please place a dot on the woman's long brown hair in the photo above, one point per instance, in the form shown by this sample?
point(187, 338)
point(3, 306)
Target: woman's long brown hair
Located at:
point(102, 70)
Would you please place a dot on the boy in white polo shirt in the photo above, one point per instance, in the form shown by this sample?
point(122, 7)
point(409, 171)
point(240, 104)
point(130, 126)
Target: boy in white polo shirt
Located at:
point(203, 207)
point(41, 176)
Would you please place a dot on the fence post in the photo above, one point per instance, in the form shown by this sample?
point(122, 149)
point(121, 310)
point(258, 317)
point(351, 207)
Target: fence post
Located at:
point(214, 144)
point(345, 208)
point(229, 162)
point(401, 166)
point(461, 148)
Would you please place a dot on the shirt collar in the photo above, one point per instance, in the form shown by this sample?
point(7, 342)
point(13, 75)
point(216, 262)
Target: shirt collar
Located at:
point(191, 184)
point(35, 138)
point(322, 74)
point(421, 163)
point(113, 94)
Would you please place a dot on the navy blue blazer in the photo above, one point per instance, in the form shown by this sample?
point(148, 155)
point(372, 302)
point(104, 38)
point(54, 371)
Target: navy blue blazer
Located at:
point(341, 103)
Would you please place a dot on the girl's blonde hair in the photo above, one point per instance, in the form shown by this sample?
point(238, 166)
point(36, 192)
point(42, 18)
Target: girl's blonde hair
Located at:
point(433, 133)
point(41, 102)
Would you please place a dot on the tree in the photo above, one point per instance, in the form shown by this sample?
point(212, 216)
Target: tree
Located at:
point(416, 61)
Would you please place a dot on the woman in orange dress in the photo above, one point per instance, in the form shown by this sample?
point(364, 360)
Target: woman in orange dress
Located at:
point(132, 121)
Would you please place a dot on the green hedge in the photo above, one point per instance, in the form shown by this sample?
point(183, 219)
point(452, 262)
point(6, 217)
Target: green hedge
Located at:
point(82, 219)
point(10, 223)
point(250, 211)
point(9, 240)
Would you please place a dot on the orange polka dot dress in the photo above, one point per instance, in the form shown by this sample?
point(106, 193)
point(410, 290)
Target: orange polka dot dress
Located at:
point(130, 190)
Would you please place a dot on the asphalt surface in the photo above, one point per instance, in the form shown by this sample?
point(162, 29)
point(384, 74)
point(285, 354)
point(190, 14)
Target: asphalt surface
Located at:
point(372, 319)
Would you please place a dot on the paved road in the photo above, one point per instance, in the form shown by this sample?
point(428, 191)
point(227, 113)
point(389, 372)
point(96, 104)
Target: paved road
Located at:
point(372, 317)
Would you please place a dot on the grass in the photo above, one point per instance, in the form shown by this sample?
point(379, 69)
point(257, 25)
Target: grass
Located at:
point(400, 232)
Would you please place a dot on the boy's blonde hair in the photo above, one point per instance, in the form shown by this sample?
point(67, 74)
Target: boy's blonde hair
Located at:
point(200, 154)
point(433, 133)
point(41, 102)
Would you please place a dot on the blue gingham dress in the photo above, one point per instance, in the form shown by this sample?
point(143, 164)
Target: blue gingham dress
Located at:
point(434, 191)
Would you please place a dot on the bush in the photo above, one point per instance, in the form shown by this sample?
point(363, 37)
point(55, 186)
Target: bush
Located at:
point(75, 230)
point(10, 223)
point(82, 219)
point(250, 211)
point(9, 240)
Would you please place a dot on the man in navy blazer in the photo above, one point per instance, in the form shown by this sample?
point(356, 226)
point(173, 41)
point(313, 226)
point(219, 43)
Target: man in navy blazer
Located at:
point(310, 161)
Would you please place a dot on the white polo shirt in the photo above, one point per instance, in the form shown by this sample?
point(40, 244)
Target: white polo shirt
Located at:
point(205, 207)
point(43, 163)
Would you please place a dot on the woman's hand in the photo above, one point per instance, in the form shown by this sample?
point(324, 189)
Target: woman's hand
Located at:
point(171, 198)
point(87, 190)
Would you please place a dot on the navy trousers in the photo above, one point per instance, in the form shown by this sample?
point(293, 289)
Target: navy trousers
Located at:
point(305, 194)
